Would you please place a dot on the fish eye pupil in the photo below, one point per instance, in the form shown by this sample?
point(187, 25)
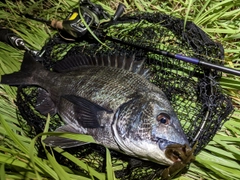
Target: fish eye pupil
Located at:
point(163, 118)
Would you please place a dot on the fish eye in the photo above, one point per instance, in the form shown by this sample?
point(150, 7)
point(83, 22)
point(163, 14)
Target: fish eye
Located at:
point(163, 118)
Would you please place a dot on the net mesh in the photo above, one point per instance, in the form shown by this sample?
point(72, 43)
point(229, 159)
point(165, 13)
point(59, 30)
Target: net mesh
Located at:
point(193, 91)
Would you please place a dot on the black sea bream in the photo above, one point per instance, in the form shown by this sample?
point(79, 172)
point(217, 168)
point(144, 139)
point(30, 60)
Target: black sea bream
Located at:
point(107, 97)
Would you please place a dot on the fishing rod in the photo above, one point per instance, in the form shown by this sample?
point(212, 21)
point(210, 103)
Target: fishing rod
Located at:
point(92, 13)
point(177, 56)
point(73, 25)
point(87, 15)
point(73, 18)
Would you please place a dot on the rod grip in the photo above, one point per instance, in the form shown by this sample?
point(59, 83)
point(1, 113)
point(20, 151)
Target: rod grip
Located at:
point(57, 24)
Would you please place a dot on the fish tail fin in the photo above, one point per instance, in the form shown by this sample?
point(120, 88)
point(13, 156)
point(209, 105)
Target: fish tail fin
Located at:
point(24, 76)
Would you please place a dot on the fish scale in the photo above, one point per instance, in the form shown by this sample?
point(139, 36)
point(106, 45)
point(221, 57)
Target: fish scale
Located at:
point(107, 97)
point(102, 89)
point(106, 85)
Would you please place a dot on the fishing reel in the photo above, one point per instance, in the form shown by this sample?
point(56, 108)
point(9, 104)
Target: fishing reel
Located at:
point(91, 13)
point(86, 15)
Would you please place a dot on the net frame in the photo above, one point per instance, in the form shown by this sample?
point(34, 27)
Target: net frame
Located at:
point(194, 91)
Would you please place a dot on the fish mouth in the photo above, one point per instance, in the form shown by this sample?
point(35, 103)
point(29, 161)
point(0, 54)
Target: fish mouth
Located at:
point(163, 143)
point(174, 151)
point(179, 152)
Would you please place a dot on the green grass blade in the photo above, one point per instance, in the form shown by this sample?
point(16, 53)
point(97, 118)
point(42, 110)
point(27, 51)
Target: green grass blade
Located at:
point(190, 3)
point(110, 172)
point(81, 164)
point(2, 171)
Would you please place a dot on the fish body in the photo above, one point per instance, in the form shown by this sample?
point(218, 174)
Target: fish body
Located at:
point(110, 99)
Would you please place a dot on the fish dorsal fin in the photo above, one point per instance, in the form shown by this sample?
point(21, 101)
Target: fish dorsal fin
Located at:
point(73, 62)
point(124, 61)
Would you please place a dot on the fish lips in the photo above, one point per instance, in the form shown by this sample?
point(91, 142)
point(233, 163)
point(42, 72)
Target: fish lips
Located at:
point(179, 152)
point(163, 143)
point(175, 151)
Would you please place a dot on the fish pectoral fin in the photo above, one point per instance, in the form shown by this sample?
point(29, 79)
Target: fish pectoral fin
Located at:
point(44, 103)
point(56, 141)
point(86, 112)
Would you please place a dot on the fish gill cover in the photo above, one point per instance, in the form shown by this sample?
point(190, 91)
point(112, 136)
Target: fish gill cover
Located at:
point(193, 91)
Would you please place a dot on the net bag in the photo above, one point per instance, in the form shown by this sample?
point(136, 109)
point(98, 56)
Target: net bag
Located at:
point(193, 91)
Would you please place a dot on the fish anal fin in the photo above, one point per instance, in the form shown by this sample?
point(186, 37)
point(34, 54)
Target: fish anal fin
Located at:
point(86, 112)
point(44, 103)
point(56, 141)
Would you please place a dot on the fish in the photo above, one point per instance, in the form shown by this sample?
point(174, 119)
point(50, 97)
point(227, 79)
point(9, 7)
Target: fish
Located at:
point(108, 97)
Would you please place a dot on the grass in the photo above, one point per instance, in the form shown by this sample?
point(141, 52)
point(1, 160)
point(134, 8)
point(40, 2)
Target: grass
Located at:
point(219, 19)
